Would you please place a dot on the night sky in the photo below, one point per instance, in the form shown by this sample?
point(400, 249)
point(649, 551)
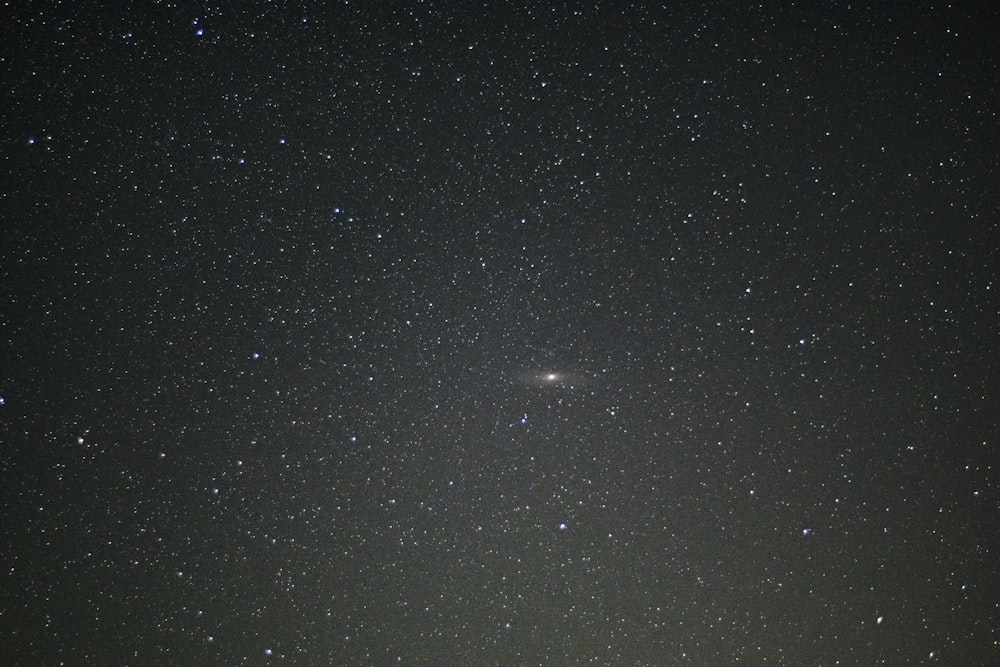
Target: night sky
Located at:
point(536, 333)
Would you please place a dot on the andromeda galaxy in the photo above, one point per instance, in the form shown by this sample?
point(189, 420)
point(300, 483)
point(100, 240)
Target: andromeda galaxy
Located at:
point(552, 379)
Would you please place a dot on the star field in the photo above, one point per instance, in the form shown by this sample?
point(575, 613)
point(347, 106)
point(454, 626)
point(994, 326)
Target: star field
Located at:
point(529, 333)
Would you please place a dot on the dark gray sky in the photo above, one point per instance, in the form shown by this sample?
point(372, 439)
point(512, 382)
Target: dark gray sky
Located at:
point(535, 333)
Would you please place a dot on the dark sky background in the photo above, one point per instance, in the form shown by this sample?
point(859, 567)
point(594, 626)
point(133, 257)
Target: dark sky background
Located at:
point(534, 333)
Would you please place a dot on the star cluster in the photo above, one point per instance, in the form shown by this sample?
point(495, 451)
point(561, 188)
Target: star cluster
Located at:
point(533, 333)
